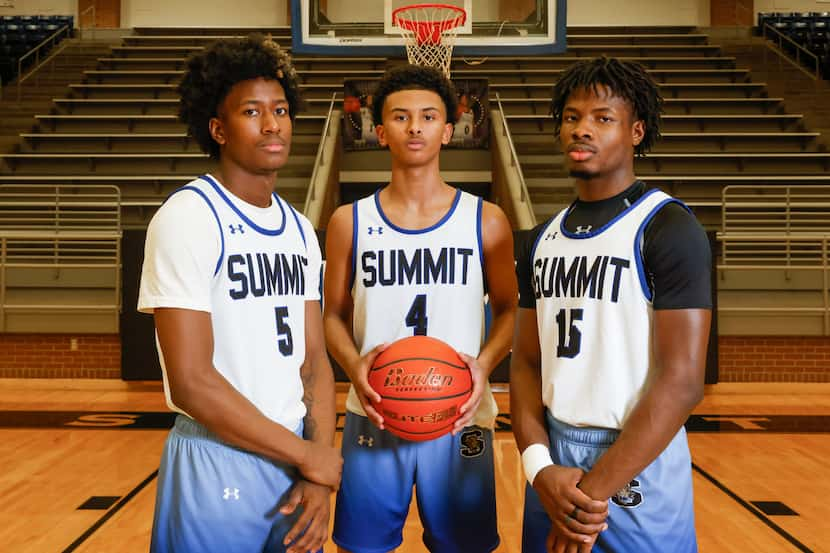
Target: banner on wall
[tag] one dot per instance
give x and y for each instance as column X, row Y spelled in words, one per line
column 472, row 127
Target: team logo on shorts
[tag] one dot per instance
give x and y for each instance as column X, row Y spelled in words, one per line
column 472, row 443
column 630, row 496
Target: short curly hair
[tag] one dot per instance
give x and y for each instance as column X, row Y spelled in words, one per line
column 414, row 77
column 211, row 73
column 625, row 79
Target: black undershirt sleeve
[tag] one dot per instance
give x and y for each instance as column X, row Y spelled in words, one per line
column 678, row 260
column 524, row 266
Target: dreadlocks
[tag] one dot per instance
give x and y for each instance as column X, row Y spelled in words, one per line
column 625, row 79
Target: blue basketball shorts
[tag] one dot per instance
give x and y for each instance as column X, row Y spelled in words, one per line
column 653, row 514
column 454, row 489
column 215, row 498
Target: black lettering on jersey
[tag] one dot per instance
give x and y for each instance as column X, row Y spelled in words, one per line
column 237, row 276
column 436, row 268
column 421, row 266
column 566, row 278
column 619, row 265
column 578, row 277
column 587, row 280
column 263, row 274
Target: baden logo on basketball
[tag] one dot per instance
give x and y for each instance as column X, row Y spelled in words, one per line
column 397, row 377
column 423, row 383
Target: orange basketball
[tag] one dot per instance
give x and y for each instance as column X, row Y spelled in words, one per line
column 351, row 104
column 423, row 383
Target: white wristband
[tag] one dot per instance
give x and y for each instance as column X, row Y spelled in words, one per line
column 534, row 458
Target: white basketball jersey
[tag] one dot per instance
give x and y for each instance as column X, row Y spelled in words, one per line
column 258, row 305
column 594, row 313
column 428, row 282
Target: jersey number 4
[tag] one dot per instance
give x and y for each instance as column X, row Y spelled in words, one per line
column 284, row 341
column 570, row 338
column 417, row 316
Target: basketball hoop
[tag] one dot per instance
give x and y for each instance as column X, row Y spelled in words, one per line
column 429, row 32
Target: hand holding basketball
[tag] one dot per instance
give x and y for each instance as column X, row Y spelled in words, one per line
column 423, row 382
column 468, row 410
column 365, row 393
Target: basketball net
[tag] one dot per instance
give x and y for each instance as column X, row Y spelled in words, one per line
column 429, row 32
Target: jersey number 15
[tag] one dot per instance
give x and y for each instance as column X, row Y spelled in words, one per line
column 570, row 338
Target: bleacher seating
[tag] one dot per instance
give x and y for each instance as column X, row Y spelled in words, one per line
column 117, row 124
column 19, row 34
column 810, row 30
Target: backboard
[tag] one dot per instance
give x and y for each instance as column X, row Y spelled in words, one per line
column 365, row 28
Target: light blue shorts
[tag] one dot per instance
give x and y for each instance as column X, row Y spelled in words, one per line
column 214, row 498
column 454, row 488
column 653, row 514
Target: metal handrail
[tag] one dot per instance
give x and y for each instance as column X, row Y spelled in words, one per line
column 514, row 157
column 823, row 266
column 799, row 48
column 36, row 52
column 319, row 159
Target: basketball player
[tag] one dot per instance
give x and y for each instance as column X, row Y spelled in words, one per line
column 610, row 342
column 465, row 123
column 367, row 127
column 416, row 258
column 231, row 275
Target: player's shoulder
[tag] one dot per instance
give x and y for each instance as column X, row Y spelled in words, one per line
column 185, row 207
column 341, row 216
column 493, row 214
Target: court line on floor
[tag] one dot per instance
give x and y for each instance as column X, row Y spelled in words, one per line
column 749, row 507
column 117, row 507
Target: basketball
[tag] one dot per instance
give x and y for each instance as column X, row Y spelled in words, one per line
column 423, row 383
column 351, row 104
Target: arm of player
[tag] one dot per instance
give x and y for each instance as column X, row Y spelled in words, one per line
column 337, row 312
column 311, row 527
column 556, row 485
column 679, row 342
column 497, row 245
column 186, row 339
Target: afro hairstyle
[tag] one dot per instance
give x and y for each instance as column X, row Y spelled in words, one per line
column 211, row 73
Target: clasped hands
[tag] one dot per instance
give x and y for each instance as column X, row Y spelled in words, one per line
column 577, row 518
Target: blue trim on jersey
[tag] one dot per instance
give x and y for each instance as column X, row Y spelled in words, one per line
column 296, row 219
column 479, row 208
column 218, row 222
column 259, row 229
column 538, row 239
column 638, row 251
column 354, row 245
column 443, row 220
column 607, row 225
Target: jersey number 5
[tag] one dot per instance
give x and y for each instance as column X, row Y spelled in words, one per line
column 284, row 342
column 570, row 338
column 417, row 316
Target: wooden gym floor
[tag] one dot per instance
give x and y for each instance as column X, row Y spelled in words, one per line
column 79, row 460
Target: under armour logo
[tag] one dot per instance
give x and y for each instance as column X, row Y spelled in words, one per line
column 375, row 230
column 231, row 493
column 235, row 228
column 363, row 440
column 550, row 236
column 584, row 229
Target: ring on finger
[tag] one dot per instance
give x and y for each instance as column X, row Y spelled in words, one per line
column 575, row 513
